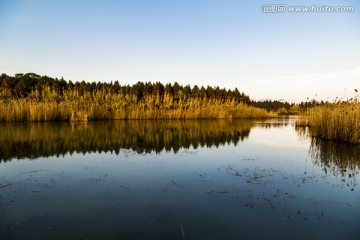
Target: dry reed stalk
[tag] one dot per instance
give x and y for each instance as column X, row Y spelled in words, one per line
column 182, row 231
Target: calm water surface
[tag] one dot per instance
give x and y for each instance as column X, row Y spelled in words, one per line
column 208, row 179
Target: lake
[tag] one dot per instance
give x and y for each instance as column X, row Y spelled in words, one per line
column 191, row 179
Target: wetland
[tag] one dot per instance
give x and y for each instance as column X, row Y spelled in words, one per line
column 176, row 179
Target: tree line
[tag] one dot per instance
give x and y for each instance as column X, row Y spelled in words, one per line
column 31, row 97
column 22, row 85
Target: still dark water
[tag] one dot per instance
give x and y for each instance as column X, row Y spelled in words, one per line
column 207, row 179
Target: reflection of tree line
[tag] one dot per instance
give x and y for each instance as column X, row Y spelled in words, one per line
column 280, row 122
column 32, row 140
column 337, row 158
column 270, row 125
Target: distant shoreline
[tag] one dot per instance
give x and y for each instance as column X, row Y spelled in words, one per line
column 33, row 98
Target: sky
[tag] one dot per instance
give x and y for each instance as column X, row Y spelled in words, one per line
column 290, row 56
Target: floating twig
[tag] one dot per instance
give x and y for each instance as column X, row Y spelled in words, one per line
column 35, row 171
column 2, row 186
column 124, row 187
column 158, row 216
column 173, row 182
column 261, row 176
column 218, row 192
column 236, row 174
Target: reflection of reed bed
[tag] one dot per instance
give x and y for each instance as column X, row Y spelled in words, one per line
column 119, row 106
column 302, row 132
column 339, row 121
column 33, row 140
column 270, row 125
column 340, row 159
column 274, row 122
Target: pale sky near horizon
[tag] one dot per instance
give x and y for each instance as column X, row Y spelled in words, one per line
column 290, row 56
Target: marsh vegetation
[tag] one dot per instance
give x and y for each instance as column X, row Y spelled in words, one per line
column 338, row 121
column 30, row 97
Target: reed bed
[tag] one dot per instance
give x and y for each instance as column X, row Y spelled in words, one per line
column 101, row 105
column 339, row 121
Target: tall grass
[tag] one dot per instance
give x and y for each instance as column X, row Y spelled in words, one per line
column 339, row 121
column 71, row 106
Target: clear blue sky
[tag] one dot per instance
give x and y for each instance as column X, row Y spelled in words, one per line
column 227, row 43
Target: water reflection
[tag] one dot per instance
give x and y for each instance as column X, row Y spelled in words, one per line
column 337, row 158
column 34, row 140
column 24, row 140
column 340, row 159
column 229, row 192
column 280, row 122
